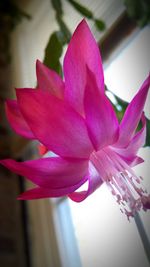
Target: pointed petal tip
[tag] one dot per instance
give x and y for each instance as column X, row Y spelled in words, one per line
column 38, row 61
column 6, row 162
column 83, row 23
column 16, row 119
column 133, row 114
column 82, row 50
column 38, row 64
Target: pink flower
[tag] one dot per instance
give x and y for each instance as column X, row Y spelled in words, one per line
column 75, row 120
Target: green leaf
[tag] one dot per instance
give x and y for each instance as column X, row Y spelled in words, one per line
column 139, row 11
column 57, row 5
column 147, row 143
column 81, row 9
column 54, row 51
column 120, row 105
column 100, row 25
column 64, row 29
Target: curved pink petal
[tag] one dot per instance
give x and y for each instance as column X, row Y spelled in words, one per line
column 132, row 160
column 55, row 124
column 49, row 80
column 135, row 144
column 100, row 117
column 94, row 181
column 39, row 192
column 132, row 115
column 16, row 119
column 50, row 172
column 82, row 50
column 137, row 160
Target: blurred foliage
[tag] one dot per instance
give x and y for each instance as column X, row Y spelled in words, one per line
column 10, row 16
column 57, row 5
column 139, row 11
column 81, row 9
column 84, row 11
column 100, row 24
column 62, row 37
column 147, row 132
column 53, row 51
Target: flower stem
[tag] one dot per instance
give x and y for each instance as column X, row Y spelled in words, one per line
column 143, row 235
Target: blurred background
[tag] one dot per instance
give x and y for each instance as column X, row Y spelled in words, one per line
column 58, row 232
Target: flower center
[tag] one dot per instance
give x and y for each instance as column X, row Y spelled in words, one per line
column 120, row 179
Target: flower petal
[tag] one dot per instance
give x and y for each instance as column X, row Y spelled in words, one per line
column 135, row 144
column 54, row 123
column 16, row 119
column 39, row 192
column 132, row 160
column 132, row 115
column 49, row 80
column 50, row 173
column 100, row 117
column 94, row 181
column 82, row 50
